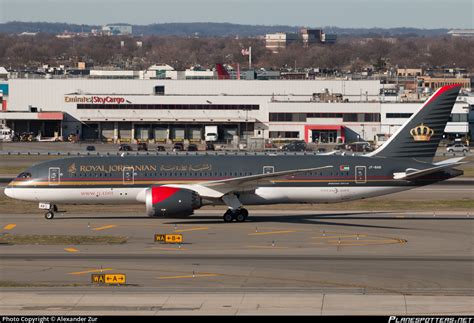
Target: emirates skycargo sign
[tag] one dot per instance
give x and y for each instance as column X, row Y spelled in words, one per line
column 94, row 99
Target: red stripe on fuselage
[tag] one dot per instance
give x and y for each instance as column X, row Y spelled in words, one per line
column 161, row 193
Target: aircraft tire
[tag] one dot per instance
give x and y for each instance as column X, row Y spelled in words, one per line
column 49, row 215
column 228, row 216
column 245, row 212
column 240, row 217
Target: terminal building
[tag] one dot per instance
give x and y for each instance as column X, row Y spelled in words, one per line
column 130, row 110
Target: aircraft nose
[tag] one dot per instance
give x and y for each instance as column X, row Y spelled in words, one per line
column 9, row 192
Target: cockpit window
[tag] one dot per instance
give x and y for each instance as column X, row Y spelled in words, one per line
column 24, row 175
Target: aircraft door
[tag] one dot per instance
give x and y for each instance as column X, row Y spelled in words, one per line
column 360, row 174
column 268, row 169
column 54, row 176
column 128, row 176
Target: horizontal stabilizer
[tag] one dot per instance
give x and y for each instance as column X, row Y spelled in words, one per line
column 412, row 173
column 449, row 161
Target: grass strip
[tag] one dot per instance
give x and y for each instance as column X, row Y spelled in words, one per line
column 16, row 239
column 7, row 284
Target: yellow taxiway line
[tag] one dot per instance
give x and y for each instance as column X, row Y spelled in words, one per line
column 365, row 242
column 71, row 250
column 90, row 271
column 347, row 236
column 271, row 232
column 9, row 226
column 189, row 276
column 192, row 229
column 105, row 227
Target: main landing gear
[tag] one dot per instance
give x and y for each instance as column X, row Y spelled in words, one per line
column 236, row 211
column 239, row 215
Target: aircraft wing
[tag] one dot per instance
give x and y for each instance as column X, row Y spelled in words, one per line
column 412, row 173
column 217, row 189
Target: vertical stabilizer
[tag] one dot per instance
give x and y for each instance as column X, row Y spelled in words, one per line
column 222, row 73
column 419, row 137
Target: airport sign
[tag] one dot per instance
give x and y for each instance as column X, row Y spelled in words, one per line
column 109, row 279
column 169, row 238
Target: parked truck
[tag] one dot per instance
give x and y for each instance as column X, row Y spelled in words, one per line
column 210, row 133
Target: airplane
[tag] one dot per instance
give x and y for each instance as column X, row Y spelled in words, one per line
column 176, row 184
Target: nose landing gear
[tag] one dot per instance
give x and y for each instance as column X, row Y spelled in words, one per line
column 51, row 208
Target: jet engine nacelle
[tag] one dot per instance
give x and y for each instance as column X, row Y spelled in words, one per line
column 171, row 201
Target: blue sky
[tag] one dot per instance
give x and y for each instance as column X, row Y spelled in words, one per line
column 340, row 13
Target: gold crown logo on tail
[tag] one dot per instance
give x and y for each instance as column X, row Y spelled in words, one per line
column 422, row 133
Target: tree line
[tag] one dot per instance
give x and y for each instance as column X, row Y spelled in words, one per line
column 211, row 29
column 348, row 54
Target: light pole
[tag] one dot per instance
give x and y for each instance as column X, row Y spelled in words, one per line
column 246, row 124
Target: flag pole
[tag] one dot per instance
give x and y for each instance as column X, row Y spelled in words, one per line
column 250, row 57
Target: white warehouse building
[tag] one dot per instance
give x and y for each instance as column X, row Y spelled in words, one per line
column 323, row 111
